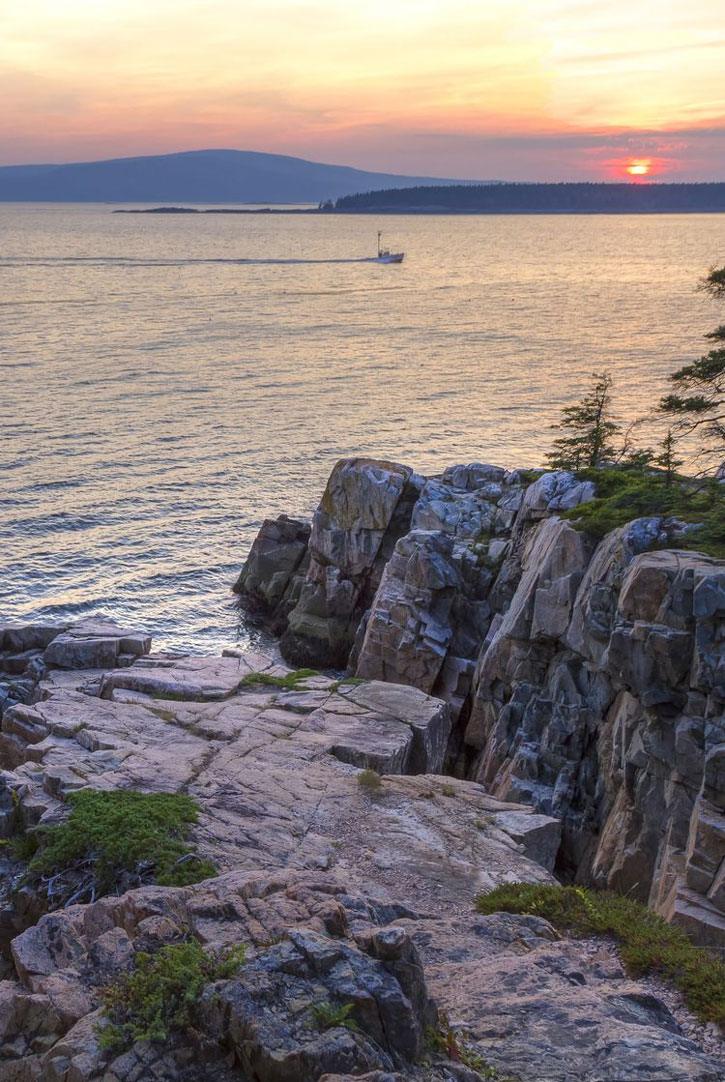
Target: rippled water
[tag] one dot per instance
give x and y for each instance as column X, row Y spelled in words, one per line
column 167, row 382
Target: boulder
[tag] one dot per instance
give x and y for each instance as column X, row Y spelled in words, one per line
column 274, row 563
column 366, row 507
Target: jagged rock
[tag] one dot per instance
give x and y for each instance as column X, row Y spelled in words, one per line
column 266, row 1014
column 596, row 603
column 600, row 704
column 273, row 571
column 237, row 748
column 591, row 679
column 553, row 493
column 449, row 511
column 30, row 655
column 410, row 626
column 519, row 996
column 343, row 895
column 366, row 507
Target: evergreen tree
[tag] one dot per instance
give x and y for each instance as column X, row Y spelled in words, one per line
column 698, row 402
column 590, row 429
column 667, row 459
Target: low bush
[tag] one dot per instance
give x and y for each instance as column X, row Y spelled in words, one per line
column 109, row 836
column 625, row 493
column 159, row 996
column 648, row 944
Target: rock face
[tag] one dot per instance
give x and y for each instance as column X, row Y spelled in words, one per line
column 275, row 568
column 587, row 679
column 366, row 507
column 345, row 898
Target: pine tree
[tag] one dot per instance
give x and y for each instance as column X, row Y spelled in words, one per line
column 590, row 429
column 698, row 403
column 667, row 459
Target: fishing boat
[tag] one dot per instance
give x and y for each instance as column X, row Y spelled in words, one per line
column 385, row 255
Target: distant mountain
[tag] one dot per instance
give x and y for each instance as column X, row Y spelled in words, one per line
column 196, row 176
column 522, row 198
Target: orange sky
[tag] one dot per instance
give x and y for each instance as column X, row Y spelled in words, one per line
column 541, row 89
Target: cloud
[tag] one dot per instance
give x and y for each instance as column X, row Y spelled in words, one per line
column 516, row 88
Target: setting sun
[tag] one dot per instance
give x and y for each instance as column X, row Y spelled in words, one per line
column 639, row 168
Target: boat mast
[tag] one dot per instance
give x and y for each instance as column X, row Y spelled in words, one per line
column 379, row 236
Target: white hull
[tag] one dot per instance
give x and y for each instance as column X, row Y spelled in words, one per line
column 390, row 257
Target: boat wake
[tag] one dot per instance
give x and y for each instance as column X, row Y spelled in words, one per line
column 128, row 261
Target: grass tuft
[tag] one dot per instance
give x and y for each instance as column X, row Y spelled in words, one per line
column 369, row 779
column 159, row 996
column 648, row 944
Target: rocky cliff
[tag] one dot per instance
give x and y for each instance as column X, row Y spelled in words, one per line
column 585, row 678
column 348, row 899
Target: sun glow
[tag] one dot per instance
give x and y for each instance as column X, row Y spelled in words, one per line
column 639, row 168
column 509, row 89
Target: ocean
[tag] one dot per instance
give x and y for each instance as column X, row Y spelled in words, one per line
column 170, row 381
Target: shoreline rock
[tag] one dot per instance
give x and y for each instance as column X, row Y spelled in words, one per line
column 342, row 896
column 587, row 679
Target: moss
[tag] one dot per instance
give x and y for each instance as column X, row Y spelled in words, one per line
column 527, row 477
column 369, row 779
column 647, row 943
column 289, row 682
column 448, row 790
column 120, row 832
column 326, row 1015
column 349, row 681
column 158, row 997
column 624, row 493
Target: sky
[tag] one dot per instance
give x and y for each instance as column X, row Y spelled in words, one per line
column 476, row 89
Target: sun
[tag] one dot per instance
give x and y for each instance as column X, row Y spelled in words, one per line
column 639, row 168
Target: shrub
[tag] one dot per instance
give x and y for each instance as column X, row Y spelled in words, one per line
column 623, row 494
column 648, row 944
column 158, row 997
column 122, row 832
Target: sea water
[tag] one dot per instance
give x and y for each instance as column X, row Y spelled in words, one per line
column 170, row 381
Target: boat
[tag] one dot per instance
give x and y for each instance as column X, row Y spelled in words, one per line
column 386, row 256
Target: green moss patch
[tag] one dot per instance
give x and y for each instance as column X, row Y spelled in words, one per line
column 648, row 944
column 117, row 836
column 623, row 494
column 291, row 681
column 158, row 998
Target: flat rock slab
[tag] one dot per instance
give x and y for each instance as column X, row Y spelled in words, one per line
column 275, row 772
